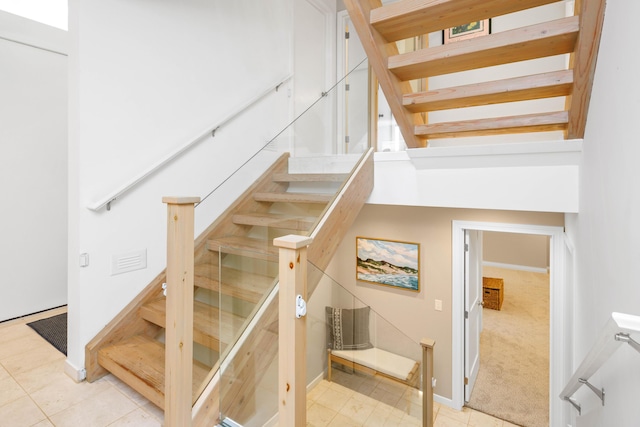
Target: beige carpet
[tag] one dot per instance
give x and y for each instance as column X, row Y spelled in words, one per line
column 513, row 380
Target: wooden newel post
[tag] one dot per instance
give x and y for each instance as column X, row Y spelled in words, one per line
column 292, row 394
column 427, row 381
column 179, row 323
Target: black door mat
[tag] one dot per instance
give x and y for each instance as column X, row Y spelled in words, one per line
column 54, row 330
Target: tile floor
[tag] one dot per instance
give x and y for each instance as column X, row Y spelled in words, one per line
column 35, row 391
column 361, row 400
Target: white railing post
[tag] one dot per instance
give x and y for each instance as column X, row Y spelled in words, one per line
column 427, row 381
column 292, row 387
column 179, row 313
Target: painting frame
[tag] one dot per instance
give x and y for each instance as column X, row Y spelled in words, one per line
column 381, row 263
column 465, row 32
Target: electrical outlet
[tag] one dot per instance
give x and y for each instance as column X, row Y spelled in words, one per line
column 438, row 305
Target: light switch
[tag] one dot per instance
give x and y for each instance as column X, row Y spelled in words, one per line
column 84, row 260
column 438, row 305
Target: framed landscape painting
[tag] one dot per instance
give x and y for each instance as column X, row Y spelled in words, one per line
column 467, row 31
column 388, row 262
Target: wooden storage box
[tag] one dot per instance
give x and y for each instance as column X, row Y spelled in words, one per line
column 492, row 292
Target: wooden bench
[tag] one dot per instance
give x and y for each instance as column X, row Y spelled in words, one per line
column 375, row 361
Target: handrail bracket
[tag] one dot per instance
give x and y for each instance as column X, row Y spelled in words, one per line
column 599, row 393
column 574, row 404
column 626, row 338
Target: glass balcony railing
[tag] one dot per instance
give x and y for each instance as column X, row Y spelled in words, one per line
column 358, row 364
column 378, row 382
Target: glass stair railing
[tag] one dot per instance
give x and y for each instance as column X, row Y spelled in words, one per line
column 286, row 187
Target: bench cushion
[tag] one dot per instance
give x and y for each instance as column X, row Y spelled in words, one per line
column 383, row 361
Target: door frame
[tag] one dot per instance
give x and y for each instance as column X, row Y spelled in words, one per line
column 472, row 310
column 557, row 318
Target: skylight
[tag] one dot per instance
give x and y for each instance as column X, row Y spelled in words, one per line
column 49, row 12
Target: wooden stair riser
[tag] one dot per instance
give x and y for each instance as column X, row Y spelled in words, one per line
column 293, row 197
column 311, row 177
column 243, row 285
column 275, row 221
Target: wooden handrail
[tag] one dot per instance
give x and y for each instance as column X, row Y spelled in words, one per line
column 112, row 196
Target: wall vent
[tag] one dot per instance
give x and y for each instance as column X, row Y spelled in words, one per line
column 124, row 263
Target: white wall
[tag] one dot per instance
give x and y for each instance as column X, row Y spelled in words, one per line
column 540, row 176
column 145, row 78
column 33, row 166
column 605, row 233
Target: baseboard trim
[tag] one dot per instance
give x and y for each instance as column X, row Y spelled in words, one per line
column 76, row 374
column 444, row 401
column 515, row 267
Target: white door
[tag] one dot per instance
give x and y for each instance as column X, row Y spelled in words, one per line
column 353, row 92
column 472, row 308
column 314, row 26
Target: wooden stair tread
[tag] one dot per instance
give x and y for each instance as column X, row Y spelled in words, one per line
column 544, row 85
column 246, row 246
column 536, row 41
column 310, row 177
column 410, row 18
column 274, row 220
column 236, row 283
column 139, row 362
column 542, row 122
column 293, row 197
column 206, row 322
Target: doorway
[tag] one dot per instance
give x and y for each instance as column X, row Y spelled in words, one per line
column 556, row 303
column 512, row 382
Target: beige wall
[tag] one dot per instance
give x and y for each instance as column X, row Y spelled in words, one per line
column 525, row 250
column 412, row 312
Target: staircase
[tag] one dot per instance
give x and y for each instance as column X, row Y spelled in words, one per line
column 379, row 27
column 234, row 271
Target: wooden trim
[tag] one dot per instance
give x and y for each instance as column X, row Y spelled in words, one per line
column 584, row 64
column 178, row 382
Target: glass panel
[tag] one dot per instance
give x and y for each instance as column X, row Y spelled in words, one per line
column 375, row 368
column 293, row 180
column 249, row 320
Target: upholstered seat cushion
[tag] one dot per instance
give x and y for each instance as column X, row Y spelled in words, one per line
column 379, row 360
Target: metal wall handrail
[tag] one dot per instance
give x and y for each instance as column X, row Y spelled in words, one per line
column 616, row 331
column 106, row 200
